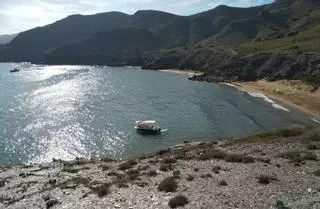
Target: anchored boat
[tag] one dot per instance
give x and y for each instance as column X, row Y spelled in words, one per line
column 147, row 127
column 14, row 70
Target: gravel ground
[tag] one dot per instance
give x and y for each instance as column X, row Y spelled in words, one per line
column 78, row 184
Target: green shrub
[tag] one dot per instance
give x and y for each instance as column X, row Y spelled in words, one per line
column 190, row 178
column 168, row 184
column 206, row 176
column 178, row 201
column 281, row 205
column 223, row 183
column 176, row 174
column 127, row 165
column 102, row 190
column 169, row 160
column 165, row 167
column 317, row 173
column 152, row 173
column 292, row 131
column 298, row 156
column 216, row 169
column 264, row 179
column 237, row 158
column 209, row 154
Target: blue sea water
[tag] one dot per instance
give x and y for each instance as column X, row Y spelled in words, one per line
column 65, row 112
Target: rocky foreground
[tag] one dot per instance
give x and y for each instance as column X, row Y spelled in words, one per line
column 277, row 170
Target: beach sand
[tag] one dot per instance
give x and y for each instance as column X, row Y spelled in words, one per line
column 294, row 93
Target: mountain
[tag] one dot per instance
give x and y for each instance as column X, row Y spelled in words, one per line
column 5, row 39
column 114, row 47
column 31, row 45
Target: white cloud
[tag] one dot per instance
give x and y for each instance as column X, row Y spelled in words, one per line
column 19, row 15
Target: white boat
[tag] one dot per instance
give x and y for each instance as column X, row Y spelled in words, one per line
column 147, row 127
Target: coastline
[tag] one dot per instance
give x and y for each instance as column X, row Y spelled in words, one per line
column 251, row 172
column 295, row 94
column 188, row 73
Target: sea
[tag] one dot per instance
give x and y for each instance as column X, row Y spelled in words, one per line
column 65, row 112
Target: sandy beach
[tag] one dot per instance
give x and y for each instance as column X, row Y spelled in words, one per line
column 188, row 73
column 296, row 94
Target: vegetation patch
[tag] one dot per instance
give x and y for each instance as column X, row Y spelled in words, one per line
column 2, row 182
column 168, row 184
column 133, row 174
column 216, row 169
column 127, row 165
column 211, row 153
column 80, row 180
column 298, row 156
column 317, row 173
column 178, row 201
column 69, row 169
column 102, row 190
column 265, row 179
column 206, row 176
column 176, row 174
column 152, row 173
column 312, row 147
column 165, row 167
column 270, row 136
column 190, row 178
column 292, row 131
column 238, row 158
column 169, row 160
column 223, row 183
column 281, row 205
column 51, row 203
column 255, row 139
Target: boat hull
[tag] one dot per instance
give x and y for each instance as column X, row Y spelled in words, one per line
column 149, row 131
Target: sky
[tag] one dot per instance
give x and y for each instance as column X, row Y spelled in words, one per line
column 20, row 15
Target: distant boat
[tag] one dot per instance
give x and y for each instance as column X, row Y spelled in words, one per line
column 147, row 127
column 14, row 70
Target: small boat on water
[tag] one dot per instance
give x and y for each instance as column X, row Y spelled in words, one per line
column 147, row 127
column 14, row 70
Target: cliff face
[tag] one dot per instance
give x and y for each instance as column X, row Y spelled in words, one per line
column 270, row 65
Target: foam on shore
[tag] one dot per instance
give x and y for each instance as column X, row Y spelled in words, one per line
column 315, row 120
column 259, row 95
column 267, row 99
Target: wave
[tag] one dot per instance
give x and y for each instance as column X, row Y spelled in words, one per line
column 229, row 84
column 315, row 120
column 267, row 99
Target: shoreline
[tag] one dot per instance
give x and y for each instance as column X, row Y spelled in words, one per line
column 233, row 171
column 188, row 73
column 294, row 94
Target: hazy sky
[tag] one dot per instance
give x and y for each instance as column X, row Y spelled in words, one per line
column 20, row 15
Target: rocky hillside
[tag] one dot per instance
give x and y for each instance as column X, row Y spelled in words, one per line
column 115, row 47
column 277, row 170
